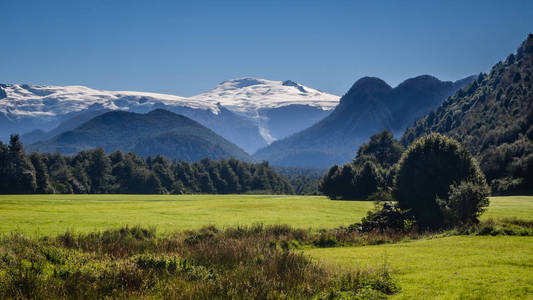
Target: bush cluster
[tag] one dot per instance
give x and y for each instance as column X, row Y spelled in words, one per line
column 387, row 216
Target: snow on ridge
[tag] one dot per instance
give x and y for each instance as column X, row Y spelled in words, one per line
column 242, row 95
column 25, row 100
column 251, row 94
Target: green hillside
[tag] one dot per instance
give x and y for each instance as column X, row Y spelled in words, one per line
column 493, row 118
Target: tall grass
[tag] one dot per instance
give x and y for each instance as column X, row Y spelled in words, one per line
column 254, row 262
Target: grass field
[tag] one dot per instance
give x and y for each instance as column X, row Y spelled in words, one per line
column 53, row 214
column 520, row 207
column 483, row 267
column 457, row 267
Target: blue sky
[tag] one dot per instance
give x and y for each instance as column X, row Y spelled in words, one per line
column 185, row 48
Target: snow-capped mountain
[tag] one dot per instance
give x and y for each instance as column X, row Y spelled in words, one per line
column 249, row 112
column 279, row 108
column 248, row 95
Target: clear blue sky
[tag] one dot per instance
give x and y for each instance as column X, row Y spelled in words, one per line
column 188, row 47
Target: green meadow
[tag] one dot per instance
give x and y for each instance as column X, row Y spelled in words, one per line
column 454, row 267
column 53, row 214
column 443, row 266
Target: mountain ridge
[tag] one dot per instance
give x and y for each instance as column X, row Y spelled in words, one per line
column 369, row 106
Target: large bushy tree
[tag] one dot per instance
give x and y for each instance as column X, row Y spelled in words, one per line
column 427, row 173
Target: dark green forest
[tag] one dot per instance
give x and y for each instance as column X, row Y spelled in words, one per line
column 95, row 172
column 369, row 175
column 493, row 119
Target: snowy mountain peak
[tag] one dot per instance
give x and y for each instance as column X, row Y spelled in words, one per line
column 247, row 95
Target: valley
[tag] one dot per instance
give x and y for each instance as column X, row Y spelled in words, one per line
column 266, row 150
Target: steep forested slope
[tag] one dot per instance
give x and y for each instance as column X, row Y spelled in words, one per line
column 493, row 118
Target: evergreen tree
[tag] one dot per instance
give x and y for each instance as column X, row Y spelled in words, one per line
column 205, row 183
column 329, row 183
column 99, row 172
column 19, row 173
column 371, row 170
column 233, row 185
column 368, row 181
column 161, row 168
column 41, row 175
column 4, row 169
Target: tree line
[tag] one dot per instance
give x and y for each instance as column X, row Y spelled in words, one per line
column 95, row 172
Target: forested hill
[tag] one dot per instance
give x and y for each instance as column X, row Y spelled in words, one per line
column 158, row 132
column 370, row 106
column 493, row 118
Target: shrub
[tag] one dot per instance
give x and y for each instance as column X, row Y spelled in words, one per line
column 465, row 203
column 427, row 171
column 387, row 216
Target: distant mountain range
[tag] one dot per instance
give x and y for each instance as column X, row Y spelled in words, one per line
column 249, row 112
column 158, row 132
column 371, row 105
column 307, row 127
